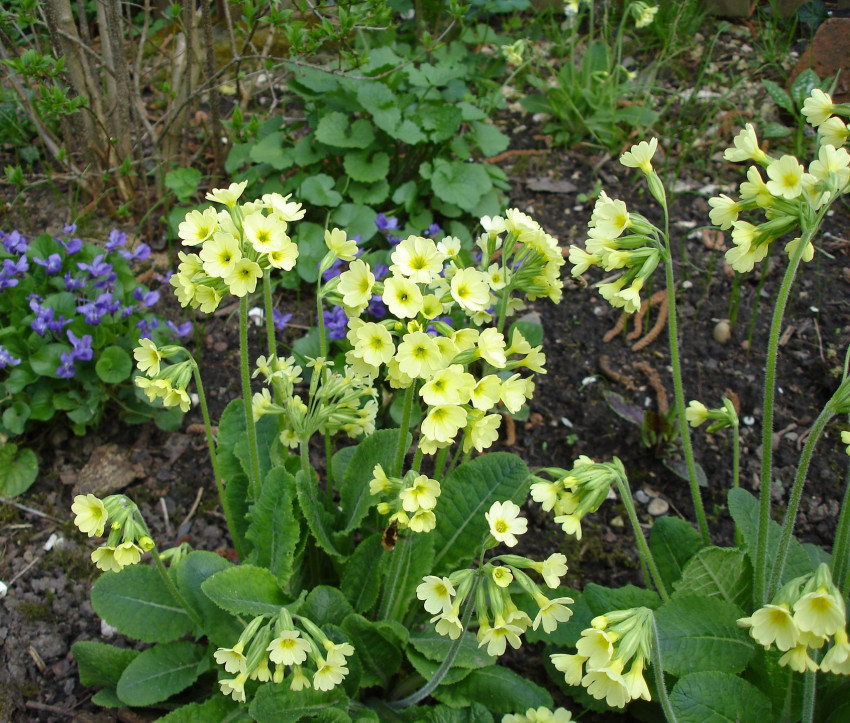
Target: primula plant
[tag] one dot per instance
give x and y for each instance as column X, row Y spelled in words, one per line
column 373, row 581
column 756, row 631
column 71, row 313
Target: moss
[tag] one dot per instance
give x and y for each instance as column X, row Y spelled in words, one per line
column 37, row 611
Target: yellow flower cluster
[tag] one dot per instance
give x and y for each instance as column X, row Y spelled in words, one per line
column 698, row 414
column 804, row 615
column 605, row 650
column 412, row 499
column 237, row 245
column 444, row 597
column 618, row 239
column 540, row 715
column 792, row 196
column 576, row 492
column 270, row 644
column 128, row 534
column 335, row 402
column 165, row 382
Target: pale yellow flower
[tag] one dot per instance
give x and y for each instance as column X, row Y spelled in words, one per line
column 402, row 297
column 640, row 156
column 818, row 107
column 91, row 515
column 418, row 259
column 198, row 226
column 228, row 196
column 288, row 648
column 340, row 245
column 436, row 594
column 469, row 288
column 505, row 522
column 772, row 624
column 220, row 255
column 265, row 233
column 374, row 344
column 746, row 147
column 443, row 422
column 356, row 284
column 786, row 177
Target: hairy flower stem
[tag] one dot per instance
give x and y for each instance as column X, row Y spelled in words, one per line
column 645, row 553
column 323, row 352
column 658, row 667
column 256, row 482
column 440, row 463
column 219, row 480
column 807, row 707
column 779, row 560
column 401, row 449
column 736, row 469
column 684, row 428
column 267, row 303
column 760, row 582
column 448, row 661
column 172, row 588
column 840, row 561
column 401, row 558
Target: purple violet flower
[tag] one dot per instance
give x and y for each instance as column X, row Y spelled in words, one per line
column 280, row 320
column 70, row 228
column 52, row 264
column 59, row 324
column 43, row 316
column 336, row 323
column 66, row 369
column 380, row 271
column 6, row 358
column 72, row 246
column 432, row 230
column 182, row 330
column 140, row 253
column 145, row 299
column 116, row 240
column 146, row 327
column 72, row 283
column 376, row 307
column 385, row 223
column 82, row 347
column 97, row 268
column 15, row 243
column 16, row 268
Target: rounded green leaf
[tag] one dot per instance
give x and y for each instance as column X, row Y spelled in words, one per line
column 718, row 697
column 18, row 469
column 460, row 183
column 319, row 190
column 159, row 672
column 333, row 130
column 114, row 365
column 46, row 360
column 16, row 416
column 366, row 167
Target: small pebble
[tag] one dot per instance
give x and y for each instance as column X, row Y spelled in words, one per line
column 106, row 630
column 641, row 497
column 617, row 522
column 658, row 507
column 587, row 381
column 3, row 589
column 722, row 332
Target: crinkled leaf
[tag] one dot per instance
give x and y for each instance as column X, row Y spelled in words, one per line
column 717, row 572
column 138, row 603
column 435, row 648
column 803, row 86
column 245, row 590
column 379, row 653
column 221, row 628
column 466, row 495
column 218, row 709
column 500, row 689
column 440, row 120
column 404, row 567
column 99, row 664
column 426, row 668
column 326, row 605
column 159, row 672
column 274, row 528
column 718, row 697
column 699, row 633
column 279, row 704
column 361, row 578
column 673, row 542
column 604, row 599
column 679, row 468
column 319, row 520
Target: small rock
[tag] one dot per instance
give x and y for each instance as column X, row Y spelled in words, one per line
column 4, row 588
column 109, row 469
column 658, row 507
column 641, row 497
column 722, row 331
column 220, row 346
column 617, row 522
column 106, row 630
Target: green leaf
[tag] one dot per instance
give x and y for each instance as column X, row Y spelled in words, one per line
column 803, row 86
column 108, row 698
column 99, row 664
column 498, row 688
column 16, row 416
column 717, row 572
column 459, row 183
column 326, row 605
column 356, row 219
column 775, row 130
column 381, row 102
column 378, row 652
column 435, row 648
column 279, row 704
column 137, row 602
column 699, row 633
column 245, row 590
column 220, row 627
column 361, row 578
column 406, row 195
column 408, row 132
column 341, row 460
column 159, row 672
column 673, row 542
column 355, row 498
column 440, row 120
column 184, row 182
column 426, row 668
column 780, row 97
column 272, row 151
column 319, row 520
column 311, row 246
column 307, row 152
column 18, row 469
column 744, row 509
column 489, row 138
column 319, row 191
column 403, row 573
column 333, row 130
column 466, row 495
column 274, row 528
column 604, row 599
column 531, row 331
column 267, row 434
column 218, row 709
column 369, row 193
column 718, row 697
column 366, row 166
column 114, row 365
column 46, row 360
column 236, row 493
column 475, row 713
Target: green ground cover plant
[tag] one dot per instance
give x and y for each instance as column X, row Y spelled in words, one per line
column 71, row 313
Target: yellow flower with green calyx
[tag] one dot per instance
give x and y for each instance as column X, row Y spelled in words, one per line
column 91, row 515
